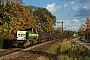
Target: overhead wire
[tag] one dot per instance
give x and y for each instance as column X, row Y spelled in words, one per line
column 31, row 1
column 38, row 3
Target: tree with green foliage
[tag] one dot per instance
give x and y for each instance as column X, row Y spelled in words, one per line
column 81, row 30
column 45, row 19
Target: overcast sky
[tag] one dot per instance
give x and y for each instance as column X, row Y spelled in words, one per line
column 72, row 12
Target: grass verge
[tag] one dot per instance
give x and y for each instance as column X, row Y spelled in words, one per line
column 69, row 50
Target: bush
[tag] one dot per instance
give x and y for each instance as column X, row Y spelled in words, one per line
column 2, row 41
column 72, row 51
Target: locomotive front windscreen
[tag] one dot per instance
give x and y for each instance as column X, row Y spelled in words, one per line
column 21, row 35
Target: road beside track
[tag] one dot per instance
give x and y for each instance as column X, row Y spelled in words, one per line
column 77, row 40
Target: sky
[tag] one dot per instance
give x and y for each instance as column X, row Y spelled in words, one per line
column 72, row 12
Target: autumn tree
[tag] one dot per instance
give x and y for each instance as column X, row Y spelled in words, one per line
column 87, row 31
column 81, row 30
column 59, row 30
column 15, row 17
column 3, row 2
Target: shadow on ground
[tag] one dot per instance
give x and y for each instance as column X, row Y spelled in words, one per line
column 7, row 44
column 46, row 54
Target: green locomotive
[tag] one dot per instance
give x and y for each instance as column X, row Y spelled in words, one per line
column 24, row 38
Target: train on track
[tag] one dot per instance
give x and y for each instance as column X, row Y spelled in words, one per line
column 26, row 38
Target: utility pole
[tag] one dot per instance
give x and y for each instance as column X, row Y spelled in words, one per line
column 62, row 28
column 62, row 25
column 0, row 2
column 50, row 27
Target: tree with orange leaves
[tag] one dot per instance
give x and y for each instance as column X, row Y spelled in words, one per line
column 15, row 17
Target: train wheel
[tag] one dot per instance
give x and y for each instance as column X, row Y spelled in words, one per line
column 25, row 44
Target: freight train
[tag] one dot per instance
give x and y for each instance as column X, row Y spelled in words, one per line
column 26, row 38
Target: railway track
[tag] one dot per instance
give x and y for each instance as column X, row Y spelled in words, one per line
column 9, row 51
column 31, row 54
